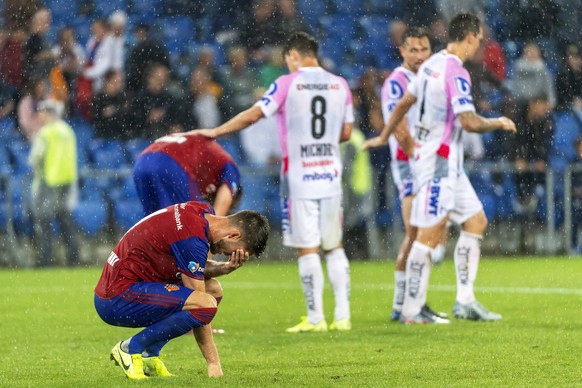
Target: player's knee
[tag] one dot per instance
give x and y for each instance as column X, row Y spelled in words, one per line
column 214, row 288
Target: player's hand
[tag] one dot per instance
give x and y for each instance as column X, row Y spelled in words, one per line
column 215, row 370
column 507, row 124
column 374, row 142
column 236, row 260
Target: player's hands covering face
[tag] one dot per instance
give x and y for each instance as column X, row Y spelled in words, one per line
column 237, row 259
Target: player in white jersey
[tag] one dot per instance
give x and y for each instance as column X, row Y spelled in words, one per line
column 445, row 107
column 314, row 114
column 414, row 49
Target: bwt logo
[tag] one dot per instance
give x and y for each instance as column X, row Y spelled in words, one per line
column 326, row 176
column 433, row 202
column 465, row 101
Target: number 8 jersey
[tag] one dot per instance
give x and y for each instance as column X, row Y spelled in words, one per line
column 312, row 105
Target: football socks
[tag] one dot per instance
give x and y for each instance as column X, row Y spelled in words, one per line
column 311, row 274
column 338, row 271
column 417, row 275
column 467, row 253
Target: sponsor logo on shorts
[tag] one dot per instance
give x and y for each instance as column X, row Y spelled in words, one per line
column 316, row 176
column 433, row 200
column 171, row 287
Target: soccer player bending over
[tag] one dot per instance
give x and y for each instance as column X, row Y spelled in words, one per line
column 442, row 90
column 158, row 277
column 314, row 112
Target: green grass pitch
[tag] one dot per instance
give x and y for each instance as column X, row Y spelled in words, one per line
column 50, row 335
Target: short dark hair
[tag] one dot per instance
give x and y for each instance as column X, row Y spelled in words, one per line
column 254, row 230
column 463, row 24
column 302, row 42
column 414, row 32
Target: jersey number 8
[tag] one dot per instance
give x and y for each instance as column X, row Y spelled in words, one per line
column 318, row 106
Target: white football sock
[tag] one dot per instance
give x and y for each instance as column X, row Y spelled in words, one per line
column 417, row 274
column 399, row 289
column 311, row 274
column 467, row 254
column 438, row 254
column 338, row 271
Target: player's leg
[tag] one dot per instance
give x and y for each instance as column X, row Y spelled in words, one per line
column 429, row 214
column 469, row 213
column 301, row 231
column 401, row 259
column 438, row 253
column 44, row 202
column 69, row 232
column 338, row 266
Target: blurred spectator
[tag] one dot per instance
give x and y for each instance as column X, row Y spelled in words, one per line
column 473, row 146
column 357, row 185
column 290, row 22
column 28, row 121
column 239, row 83
column 493, row 56
column 274, row 68
column 419, row 12
column 262, row 28
column 145, row 52
column 577, row 199
column 12, row 59
column 202, row 104
column 206, row 58
column 110, row 108
column 70, row 55
column 533, row 143
column 487, row 90
column 18, row 13
column 569, row 81
column 260, row 140
column 117, row 22
column 395, row 32
column 38, row 58
column 53, row 157
column 7, row 101
column 532, row 77
column 153, row 105
column 449, row 8
column 439, row 34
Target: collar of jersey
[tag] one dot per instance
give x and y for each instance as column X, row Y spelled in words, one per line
column 445, row 52
column 310, row 68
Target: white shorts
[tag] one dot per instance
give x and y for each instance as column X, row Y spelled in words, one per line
column 310, row 223
column 440, row 197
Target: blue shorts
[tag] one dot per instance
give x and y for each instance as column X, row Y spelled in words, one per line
column 142, row 304
column 160, row 182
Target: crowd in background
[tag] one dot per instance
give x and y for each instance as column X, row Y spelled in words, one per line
column 125, row 80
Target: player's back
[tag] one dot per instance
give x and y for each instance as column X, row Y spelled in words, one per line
column 316, row 105
column 442, row 88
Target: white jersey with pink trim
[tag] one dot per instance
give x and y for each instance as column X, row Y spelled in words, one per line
column 312, row 105
column 392, row 92
column 443, row 89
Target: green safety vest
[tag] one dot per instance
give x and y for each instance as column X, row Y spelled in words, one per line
column 361, row 179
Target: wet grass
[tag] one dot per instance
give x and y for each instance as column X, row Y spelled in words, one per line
column 51, row 336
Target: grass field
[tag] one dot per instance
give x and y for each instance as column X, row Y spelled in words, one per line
column 50, row 335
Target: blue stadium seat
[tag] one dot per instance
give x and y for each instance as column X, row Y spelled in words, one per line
column 311, row 11
column 7, row 130
column 349, row 7
column 107, row 154
column 134, row 147
column 18, row 153
column 84, row 131
column 94, row 188
column 127, row 213
column 374, row 27
column 91, row 216
column 106, row 7
column 567, row 130
column 333, row 51
column 21, row 205
column 387, row 8
column 62, row 11
column 177, row 31
column 147, row 10
column 341, row 28
column 5, row 167
column 82, row 26
column 232, row 145
column 505, row 196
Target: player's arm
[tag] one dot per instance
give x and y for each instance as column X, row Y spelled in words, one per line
column 218, row 268
column 239, row 122
column 396, row 117
column 472, row 122
column 223, row 200
column 203, row 334
column 346, row 132
column 403, row 137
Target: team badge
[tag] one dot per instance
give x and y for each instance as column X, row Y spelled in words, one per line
column 194, row 267
column 395, row 91
column 463, row 86
column 171, row 287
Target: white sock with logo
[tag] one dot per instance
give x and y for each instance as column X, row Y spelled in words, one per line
column 311, row 273
column 399, row 290
column 338, row 271
column 467, row 254
column 417, row 275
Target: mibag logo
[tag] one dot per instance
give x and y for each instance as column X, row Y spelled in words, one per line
column 324, row 176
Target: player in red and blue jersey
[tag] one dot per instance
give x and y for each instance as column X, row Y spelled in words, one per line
column 158, row 277
column 177, row 169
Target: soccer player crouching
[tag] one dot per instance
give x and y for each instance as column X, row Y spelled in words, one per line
column 158, row 277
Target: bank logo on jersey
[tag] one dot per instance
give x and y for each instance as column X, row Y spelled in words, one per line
column 195, row 267
column 463, row 86
column 395, row 91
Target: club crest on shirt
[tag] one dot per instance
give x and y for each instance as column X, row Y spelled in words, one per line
column 463, row 86
column 395, row 91
column 171, row 287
